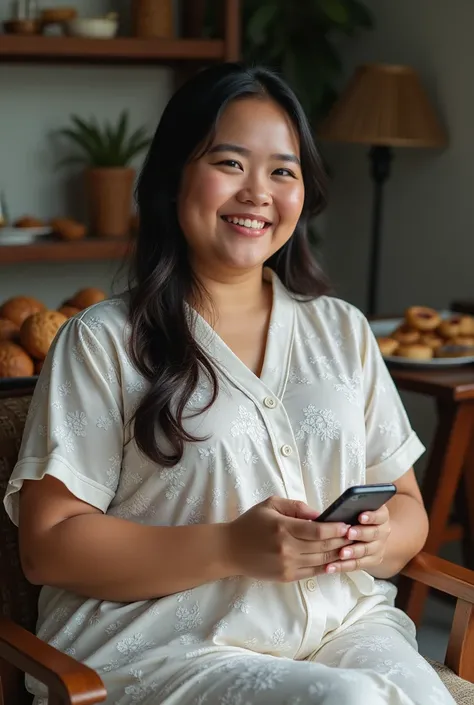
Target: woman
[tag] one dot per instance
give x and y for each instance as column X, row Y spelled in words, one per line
column 183, row 436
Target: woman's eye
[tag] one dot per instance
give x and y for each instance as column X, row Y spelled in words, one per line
column 284, row 172
column 232, row 163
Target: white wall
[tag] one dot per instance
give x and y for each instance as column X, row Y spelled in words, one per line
column 35, row 102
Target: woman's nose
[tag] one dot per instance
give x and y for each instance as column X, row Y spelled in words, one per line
column 255, row 193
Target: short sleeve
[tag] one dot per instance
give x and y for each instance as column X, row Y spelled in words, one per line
column 74, row 429
column 392, row 447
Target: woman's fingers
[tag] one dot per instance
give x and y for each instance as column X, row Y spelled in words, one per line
column 359, row 557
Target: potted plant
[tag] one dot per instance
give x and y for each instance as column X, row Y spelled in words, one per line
column 301, row 40
column 107, row 153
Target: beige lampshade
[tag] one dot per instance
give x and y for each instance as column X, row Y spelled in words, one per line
column 384, row 105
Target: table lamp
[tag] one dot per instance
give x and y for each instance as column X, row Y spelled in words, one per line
column 384, row 106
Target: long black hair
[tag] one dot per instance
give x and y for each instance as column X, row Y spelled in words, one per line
column 162, row 346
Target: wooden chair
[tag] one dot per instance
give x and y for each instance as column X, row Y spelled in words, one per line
column 71, row 682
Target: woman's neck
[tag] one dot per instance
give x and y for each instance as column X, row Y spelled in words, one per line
column 233, row 294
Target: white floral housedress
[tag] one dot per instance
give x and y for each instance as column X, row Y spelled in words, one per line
column 323, row 416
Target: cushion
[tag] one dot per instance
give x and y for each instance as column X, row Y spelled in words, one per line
column 461, row 690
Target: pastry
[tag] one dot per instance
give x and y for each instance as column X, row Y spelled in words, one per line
column 8, row 330
column 28, row 221
column 14, row 362
column 466, row 325
column 86, row 297
column 422, row 318
column 406, row 335
column 387, row 346
column 68, row 311
column 415, row 351
column 455, row 351
column 68, row 229
column 450, row 327
column 463, row 340
column 38, row 332
column 432, row 340
column 18, row 308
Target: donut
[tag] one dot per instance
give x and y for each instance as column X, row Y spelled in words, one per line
column 455, row 351
column 416, row 351
column 466, row 325
column 463, row 340
column 432, row 340
column 405, row 335
column 450, row 327
column 422, row 318
column 387, row 346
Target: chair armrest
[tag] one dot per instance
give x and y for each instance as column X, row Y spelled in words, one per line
column 441, row 575
column 68, row 680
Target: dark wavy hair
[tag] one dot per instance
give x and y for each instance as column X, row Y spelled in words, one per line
column 162, row 346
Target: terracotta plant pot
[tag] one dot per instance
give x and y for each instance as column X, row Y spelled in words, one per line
column 110, row 194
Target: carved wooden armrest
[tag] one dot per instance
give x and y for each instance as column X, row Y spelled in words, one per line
column 458, row 582
column 68, row 681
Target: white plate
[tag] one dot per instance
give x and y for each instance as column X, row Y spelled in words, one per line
column 23, row 236
column 385, row 328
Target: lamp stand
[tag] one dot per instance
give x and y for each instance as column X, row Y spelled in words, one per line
column 380, row 161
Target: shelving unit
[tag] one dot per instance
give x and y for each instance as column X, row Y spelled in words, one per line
column 73, row 251
column 130, row 51
column 123, row 50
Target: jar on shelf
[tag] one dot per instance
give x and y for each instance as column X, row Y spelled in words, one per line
column 153, row 18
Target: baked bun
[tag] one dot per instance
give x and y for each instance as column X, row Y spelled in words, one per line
column 387, row 346
column 8, row 330
column 466, row 325
column 68, row 311
column 87, row 297
column 38, row 332
column 14, row 361
column 432, row 340
column 28, row 221
column 455, row 351
column 415, row 351
column 406, row 335
column 68, row 229
column 18, row 308
column 450, row 327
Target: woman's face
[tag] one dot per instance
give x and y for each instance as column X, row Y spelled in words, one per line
column 240, row 202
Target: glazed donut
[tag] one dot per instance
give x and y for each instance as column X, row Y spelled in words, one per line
column 432, row 340
column 422, row 318
column 405, row 335
column 416, row 351
column 466, row 325
column 450, row 327
column 387, row 346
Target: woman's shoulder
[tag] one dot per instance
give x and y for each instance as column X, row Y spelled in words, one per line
column 332, row 309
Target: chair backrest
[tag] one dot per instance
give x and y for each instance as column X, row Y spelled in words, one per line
column 18, row 598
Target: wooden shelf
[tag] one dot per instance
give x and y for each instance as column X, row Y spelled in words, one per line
column 57, row 251
column 121, row 50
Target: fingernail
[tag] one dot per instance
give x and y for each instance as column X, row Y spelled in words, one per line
column 364, row 518
column 343, row 529
column 353, row 534
column 331, row 569
column 347, row 553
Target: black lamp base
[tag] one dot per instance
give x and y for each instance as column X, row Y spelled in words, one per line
column 381, row 160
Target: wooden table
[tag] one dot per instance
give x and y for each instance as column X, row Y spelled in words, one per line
column 449, row 478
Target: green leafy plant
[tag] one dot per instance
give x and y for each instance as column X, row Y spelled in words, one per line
column 108, row 146
column 301, row 40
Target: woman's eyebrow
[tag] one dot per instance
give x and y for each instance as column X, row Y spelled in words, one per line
column 238, row 149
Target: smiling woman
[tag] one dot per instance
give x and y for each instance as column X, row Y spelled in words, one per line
column 184, row 435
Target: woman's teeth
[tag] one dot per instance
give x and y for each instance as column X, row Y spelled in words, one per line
column 246, row 222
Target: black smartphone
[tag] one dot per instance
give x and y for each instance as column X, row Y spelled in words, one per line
column 356, row 500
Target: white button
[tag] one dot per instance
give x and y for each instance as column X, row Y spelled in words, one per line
column 270, row 402
column 286, row 450
column 311, row 585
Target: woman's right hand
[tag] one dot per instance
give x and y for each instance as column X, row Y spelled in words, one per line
column 279, row 540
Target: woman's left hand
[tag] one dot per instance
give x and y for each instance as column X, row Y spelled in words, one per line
column 370, row 540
